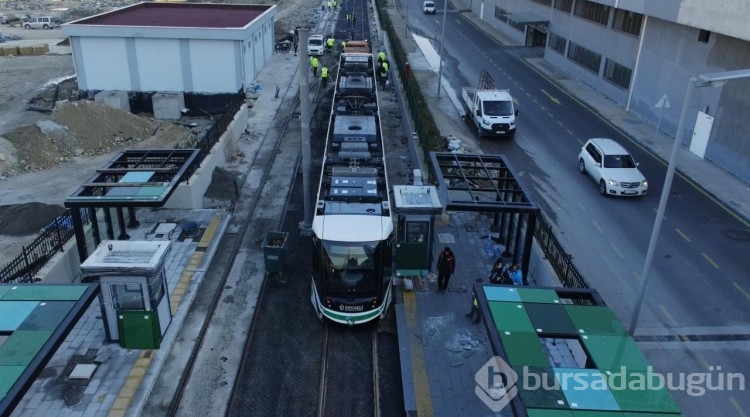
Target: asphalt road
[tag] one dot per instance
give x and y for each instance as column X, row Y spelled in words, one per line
column 700, row 266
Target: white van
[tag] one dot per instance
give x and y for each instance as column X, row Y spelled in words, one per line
column 44, row 22
column 428, row 7
column 315, row 45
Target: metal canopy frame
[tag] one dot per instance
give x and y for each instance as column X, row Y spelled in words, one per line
column 488, row 183
column 133, row 178
column 482, row 183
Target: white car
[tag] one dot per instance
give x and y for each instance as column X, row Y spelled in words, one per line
column 612, row 167
column 428, row 7
column 316, row 45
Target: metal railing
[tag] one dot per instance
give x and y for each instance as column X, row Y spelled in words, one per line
column 36, row 254
column 561, row 261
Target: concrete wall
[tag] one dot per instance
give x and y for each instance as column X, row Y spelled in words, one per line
column 189, row 195
column 63, row 268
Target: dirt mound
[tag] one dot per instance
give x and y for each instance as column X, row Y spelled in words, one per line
column 27, row 219
column 77, row 128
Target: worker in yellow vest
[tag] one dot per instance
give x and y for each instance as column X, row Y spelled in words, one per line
column 314, row 62
column 383, row 74
column 324, row 75
column 343, row 45
column 330, row 5
column 329, row 44
column 381, row 56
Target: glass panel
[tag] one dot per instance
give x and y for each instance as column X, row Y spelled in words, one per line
column 127, row 296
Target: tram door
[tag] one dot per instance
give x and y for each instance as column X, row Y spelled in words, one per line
column 414, row 247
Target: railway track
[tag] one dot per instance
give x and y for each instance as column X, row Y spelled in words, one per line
column 349, row 355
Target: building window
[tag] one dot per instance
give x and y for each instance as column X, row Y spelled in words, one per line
column 629, row 22
column 703, row 36
column 521, row 27
column 557, row 43
column 501, row 14
column 585, row 57
column 547, row 3
column 564, row 5
column 618, row 74
column 595, row 12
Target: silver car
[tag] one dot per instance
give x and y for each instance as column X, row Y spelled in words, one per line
column 612, row 167
column 44, row 22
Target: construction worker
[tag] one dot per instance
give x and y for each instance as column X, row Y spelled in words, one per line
column 334, row 4
column 343, row 45
column 324, row 75
column 381, row 56
column 314, row 62
column 383, row 74
column 329, row 44
column 330, row 5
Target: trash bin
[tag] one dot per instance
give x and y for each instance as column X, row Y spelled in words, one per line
column 274, row 250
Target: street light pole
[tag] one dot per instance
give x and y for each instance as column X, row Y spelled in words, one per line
column 406, row 19
column 442, row 42
column 713, row 80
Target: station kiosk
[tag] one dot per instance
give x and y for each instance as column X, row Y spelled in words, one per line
column 416, row 207
column 134, row 297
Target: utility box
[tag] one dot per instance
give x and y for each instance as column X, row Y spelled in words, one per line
column 139, row 329
column 115, row 99
column 168, row 106
column 274, row 251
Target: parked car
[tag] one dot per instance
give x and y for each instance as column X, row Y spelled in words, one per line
column 428, row 7
column 43, row 22
column 315, row 45
column 612, row 167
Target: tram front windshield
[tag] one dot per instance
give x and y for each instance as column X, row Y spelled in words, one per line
column 352, row 267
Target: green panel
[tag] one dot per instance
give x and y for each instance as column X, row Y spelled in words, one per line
column 13, row 313
column 501, row 293
column 551, row 319
column 637, row 414
column 595, row 320
column 139, row 329
column 640, row 391
column 586, row 389
column 47, row 315
column 539, row 389
column 151, row 191
column 66, row 292
column 412, row 255
column 538, row 295
column 8, row 376
column 586, row 413
column 524, row 349
column 533, row 412
column 27, row 292
column 612, row 352
column 22, row 346
column 4, row 288
column 511, row 317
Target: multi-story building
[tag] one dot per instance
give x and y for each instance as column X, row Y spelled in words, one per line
column 636, row 52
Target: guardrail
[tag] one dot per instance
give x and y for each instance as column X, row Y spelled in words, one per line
column 560, row 260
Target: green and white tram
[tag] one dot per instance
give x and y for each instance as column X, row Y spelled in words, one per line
column 352, row 226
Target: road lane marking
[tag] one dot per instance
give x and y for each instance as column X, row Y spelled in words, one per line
column 637, row 275
column 711, row 261
column 702, row 360
column 551, row 97
column 742, row 290
column 583, row 208
column 737, row 407
column 617, row 251
column 552, row 116
column 666, row 314
column 571, row 134
column 683, row 235
column 597, row 226
column 579, row 141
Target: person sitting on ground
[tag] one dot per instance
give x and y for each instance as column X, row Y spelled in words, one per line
column 516, row 275
column 499, row 273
